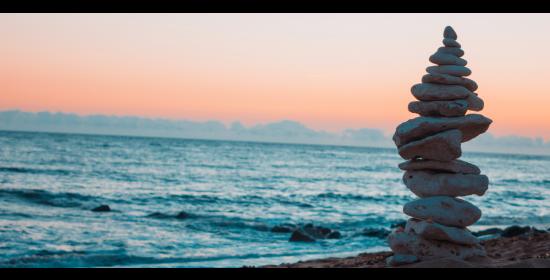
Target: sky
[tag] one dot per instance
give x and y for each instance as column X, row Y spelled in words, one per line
column 328, row 71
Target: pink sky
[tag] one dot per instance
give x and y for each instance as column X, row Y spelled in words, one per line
column 328, row 71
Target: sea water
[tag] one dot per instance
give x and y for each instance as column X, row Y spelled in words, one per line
column 230, row 194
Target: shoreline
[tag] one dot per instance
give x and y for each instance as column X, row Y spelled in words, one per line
column 530, row 249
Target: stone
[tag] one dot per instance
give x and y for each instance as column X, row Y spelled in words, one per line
column 514, row 231
column 418, row 128
column 320, row 232
column 376, row 232
column 450, row 50
column 455, row 166
column 444, row 263
column 434, row 231
column 183, row 215
column 408, row 243
column 334, row 235
column 284, row 228
column 448, row 42
column 434, row 92
column 489, row 231
column 300, row 236
column 444, row 210
column 429, row 183
column 453, row 70
column 401, row 259
column 474, row 102
column 451, row 108
column 444, row 146
column 445, row 79
column 447, row 59
column 450, row 33
column 102, row 208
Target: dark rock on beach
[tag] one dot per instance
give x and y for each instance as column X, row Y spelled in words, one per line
column 518, row 230
column 489, row 231
column 514, row 231
column 102, row 208
column 181, row 215
column 376, row 232
column 301, row 236
column 284, row 228
column 310, row 232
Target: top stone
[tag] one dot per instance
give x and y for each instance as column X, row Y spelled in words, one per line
column 450, row 33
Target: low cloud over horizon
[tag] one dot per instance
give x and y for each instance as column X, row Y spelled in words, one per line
column 284, row 131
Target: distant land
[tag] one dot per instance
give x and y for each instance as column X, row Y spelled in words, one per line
column 285, row 131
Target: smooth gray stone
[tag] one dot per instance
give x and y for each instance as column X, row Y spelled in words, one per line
column 434, row 231
column 453, row 70
column 474, row 102
column 435, row 92
column 400, row 259
column 454, row 51
column 447, row 59
column 448, row 211
column 451, row 108
column 409, row 243
column 450, row 33
column 425, row 183
column 445, row 79
column 444, row 146
column 455, row 166
column 470, row 125
column 448, row 42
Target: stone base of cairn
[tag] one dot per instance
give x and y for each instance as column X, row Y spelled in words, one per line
column 432, row 145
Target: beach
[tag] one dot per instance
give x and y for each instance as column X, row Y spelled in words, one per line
column 527, row 250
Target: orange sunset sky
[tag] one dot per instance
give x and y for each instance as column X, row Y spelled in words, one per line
column 327, row 71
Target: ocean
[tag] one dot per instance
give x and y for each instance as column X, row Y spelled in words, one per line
column 206, row 203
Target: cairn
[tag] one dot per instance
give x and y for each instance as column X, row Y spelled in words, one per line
column 431, row 144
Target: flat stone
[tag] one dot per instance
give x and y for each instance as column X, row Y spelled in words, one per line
column 447, row 59
column 450, row 33
column 435, row 92
column 455, row 166
column 102, row 208
column 400, row 259
column 420, row 127
column 448, row 42
column 453, row 70
column 430, row 183
column 443, row 263
column 451, row 108
column 434, row 231
column 444, row 210
column 450, row 50
column 445, row 79
column 474, row 102
column 409, row 243
column 444, row 146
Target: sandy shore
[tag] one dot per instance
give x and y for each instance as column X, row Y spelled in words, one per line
column 530, row 250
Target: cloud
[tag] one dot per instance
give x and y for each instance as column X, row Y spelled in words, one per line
column 285, row 131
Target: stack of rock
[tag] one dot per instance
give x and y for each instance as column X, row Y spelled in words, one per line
column 432, row 145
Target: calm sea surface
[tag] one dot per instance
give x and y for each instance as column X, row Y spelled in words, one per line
column 232, row 193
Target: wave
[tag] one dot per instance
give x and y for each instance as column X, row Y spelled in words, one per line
column 394, row 199
column 511, row 182
column 26, row 170
column 48, row 198
column 114, row 258
column 179, row 216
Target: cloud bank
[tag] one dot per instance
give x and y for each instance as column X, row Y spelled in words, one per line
column 285, row 131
